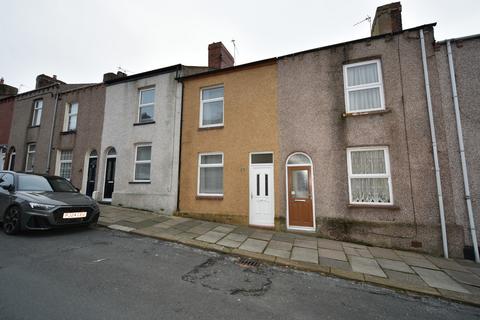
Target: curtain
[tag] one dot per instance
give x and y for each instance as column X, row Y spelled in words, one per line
column 368, row 162
column 144, row 153
column 371, row 190
column 364, row 99
column 142, row 171
column 211, row 180
column 363, row 74
column 212, row 112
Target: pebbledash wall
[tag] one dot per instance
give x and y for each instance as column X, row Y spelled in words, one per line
column 466, row 62
column 313, row 119
column 250, row 125
column 123, row 132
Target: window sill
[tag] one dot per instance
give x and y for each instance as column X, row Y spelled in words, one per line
column 143, row 123
column 31, row 127
column 210, row 128
column 365, row 113
column 68, row 132
column 140, row 182
column 373, row 206
column 209, row 197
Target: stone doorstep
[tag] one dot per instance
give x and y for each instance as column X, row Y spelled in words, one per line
column 349, row 275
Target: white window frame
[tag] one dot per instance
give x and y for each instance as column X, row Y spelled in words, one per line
column 140, row 105
column 60, row 162
column 68, row 116
column 213, row 165
column 29, row 154
column 387, row 174
column 135, row 162
column 378, row 84
column 37, row 112
column 201, row 125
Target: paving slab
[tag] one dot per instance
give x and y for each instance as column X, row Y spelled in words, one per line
column 419, row 262
column 438, row 279
column 351, row 251
column 229, row 243
column 306, row 243
column 354, row 245
column 304, row 254
column 254, row 245
column 408, row 278
column 449, row 264
column 224, row 229
column 337, row 264
column 244, row 230
column 120, row 228
column 187, row 225
column 285, row 237
column 464, row 277
column 367, row 266
column 186, row 235
column 136, row 219
column 277, row 253
column 236, row 237
column 394, row 265
column 384, row 253
column 329, row 244
column 332, row 254
column 262, row 235
column 280, row 245
column 402, row 253
column 211, row 236
column 201, row 229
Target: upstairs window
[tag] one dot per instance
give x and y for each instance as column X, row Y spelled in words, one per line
column 211, row 107
column 30, row 160
column 37, row 112
column 369, row 177
column 143, row 161
column 71, row 117
column 363, row 86
column 210, row 174
column 65, row 168
column 146, row 105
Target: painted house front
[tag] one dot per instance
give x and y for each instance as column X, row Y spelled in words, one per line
column 230, row 153
column 139, row 153
column 7, row 101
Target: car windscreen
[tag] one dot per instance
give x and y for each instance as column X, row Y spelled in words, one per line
column 33, row 183
column 61, row 184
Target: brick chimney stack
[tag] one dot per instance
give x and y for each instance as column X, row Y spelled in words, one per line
column 44, row 81
column 388, row 19
column 218, row 56
column 111, row 75
column 6, row 90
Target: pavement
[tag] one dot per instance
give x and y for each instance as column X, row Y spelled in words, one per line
column 452, row 279
column 99, row 273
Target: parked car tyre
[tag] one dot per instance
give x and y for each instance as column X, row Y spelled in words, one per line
column 11, row 220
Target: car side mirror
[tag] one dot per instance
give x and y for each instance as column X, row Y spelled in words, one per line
column 8, row 187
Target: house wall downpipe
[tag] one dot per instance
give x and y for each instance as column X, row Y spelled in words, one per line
column 50, row 144
column 462, row 152
column 434, row 146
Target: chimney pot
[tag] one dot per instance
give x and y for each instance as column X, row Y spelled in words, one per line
column 388, row 19
column 1, row 80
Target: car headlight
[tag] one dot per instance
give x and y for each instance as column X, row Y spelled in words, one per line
column 41, row 206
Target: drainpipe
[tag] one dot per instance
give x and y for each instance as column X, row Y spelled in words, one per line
column 462, row 152
column 50, row 144
column 434, row 146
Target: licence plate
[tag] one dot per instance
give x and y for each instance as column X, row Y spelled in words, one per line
column 74, row 215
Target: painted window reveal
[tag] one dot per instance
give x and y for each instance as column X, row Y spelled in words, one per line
column 146, row 105
column 143, row 160
column 211, row 107
column 71, row 117
column 369, row 175
column 363, row 86
column 37, row 112
column 30, row 160
column 210, row 174
column 65, row 169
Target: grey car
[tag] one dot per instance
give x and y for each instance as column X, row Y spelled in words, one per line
column 41, row 202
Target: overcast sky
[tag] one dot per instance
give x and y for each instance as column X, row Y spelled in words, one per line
column 82, row 39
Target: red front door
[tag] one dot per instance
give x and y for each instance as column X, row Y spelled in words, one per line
column 300, row 206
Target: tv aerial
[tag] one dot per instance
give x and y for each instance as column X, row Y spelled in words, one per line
column 368, row 18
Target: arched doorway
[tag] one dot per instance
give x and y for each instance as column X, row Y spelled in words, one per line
column 91, row 172
column 300, row 192
column 109, row 174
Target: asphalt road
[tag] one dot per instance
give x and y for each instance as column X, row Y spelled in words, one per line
column 104, row 274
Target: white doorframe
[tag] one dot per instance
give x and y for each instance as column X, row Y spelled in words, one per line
column 289, row 227
column 250, row 193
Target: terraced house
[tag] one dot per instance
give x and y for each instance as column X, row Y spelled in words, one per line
column 7, row 100
column 139, row 153
column 57, row 130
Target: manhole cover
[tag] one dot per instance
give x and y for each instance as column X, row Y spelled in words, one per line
column 245, row 276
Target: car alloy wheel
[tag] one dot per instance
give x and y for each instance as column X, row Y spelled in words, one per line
column 11, row 221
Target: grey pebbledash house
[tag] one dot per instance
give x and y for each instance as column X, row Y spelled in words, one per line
column 139, row 156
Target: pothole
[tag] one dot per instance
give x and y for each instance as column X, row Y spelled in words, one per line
column 247, row 278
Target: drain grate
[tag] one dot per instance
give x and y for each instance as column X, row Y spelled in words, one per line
column 248, row 263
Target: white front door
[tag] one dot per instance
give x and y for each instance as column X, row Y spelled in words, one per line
column 262, row 195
